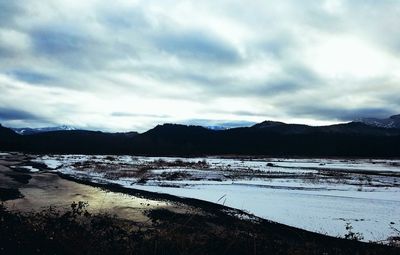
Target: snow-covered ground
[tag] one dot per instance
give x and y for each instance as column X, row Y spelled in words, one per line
column 319, row 195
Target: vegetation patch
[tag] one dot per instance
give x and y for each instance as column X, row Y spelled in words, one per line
column 78, row 232
column 9, row 194
column 19, row 177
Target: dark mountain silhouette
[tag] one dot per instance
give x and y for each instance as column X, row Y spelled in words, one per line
column 175, row 139
column 347, row 128
column 391, row 122
column 78, row 141
column 6, row 133
column 9, row 140
column 354, row 139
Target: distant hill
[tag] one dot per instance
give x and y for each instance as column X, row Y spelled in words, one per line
column 271, row 138
column 78, row 141
column 6, row 133
column 391, row 122
column 354, row 139
column 9, row 140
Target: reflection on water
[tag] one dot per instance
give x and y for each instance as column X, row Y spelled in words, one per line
column 44, row 190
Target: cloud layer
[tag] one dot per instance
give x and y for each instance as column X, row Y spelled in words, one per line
column 128, row 65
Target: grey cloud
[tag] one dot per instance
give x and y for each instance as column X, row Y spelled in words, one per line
column 315, row 15
column 294, row 78
column 392, row 100
column 279, row 45
column 247, row 113
column 374, row 20
column 7, row 114
column 129, row 114
column 30, row 76
column 52, row 41
column 242, row 114
column 9, row 11
column 199, row 46
column 273, row 88
column 340, row 113
column 76, row 48
column 126, row 19
column 297, row 78
column 6, row 52
column 366, row 112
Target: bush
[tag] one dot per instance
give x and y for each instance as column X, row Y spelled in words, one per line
column 351, row 235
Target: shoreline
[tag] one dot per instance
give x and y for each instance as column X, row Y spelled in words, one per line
column 224, row 216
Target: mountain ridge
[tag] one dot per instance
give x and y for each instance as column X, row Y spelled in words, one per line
column 30, row 131
column 391, row 122
column 353, row 139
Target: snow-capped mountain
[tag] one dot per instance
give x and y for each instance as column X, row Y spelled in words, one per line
column 216, row 127
column 29, row 131
column 228, row 125
column 391, row 122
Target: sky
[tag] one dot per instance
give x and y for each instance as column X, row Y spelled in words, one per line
column 129, row 65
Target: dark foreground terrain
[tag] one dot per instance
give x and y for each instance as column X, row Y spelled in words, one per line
column 79, row 232
column 172, row 226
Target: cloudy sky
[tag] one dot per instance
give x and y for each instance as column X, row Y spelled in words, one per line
column 129, row 65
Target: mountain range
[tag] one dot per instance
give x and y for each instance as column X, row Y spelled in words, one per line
column 391, row 122
column 30, row 131
column 353, row 139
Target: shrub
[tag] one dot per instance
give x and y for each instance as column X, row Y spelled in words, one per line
column 351, row 235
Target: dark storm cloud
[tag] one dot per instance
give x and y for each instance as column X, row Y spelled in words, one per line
column 392, row 99
column 342, row 114
column 366, row 112
column 7, row 114
column 66, row 45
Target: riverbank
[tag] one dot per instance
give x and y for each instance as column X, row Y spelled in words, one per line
column 144, row 222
